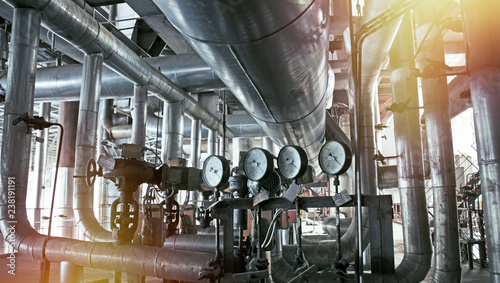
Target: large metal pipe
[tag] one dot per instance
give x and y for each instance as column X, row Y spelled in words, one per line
column 149, row 261
column 86, row 139
column 195, row 143
column 64, row 199
column 139, row 115
column 272, row 55
column 240, row 144
column 482, row 24
column 16, row 139
column 172, row 130
column 40, row 162
column 447, row 265
column 68, row 20
column 188, row 71
column 212, row 142
column 416, row 235
column 4, row 48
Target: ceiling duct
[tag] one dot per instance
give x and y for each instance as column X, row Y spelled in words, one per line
column 272, row 55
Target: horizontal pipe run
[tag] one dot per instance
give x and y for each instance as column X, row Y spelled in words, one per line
column 68, row 20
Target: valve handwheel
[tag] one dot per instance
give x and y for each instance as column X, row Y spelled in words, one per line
column 92, row 172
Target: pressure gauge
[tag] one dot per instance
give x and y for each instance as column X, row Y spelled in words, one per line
column 215, row 171
column 335, row 158
column 292, row 162
column 258, row 164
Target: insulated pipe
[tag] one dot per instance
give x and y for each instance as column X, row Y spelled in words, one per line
column 40, row 162
column 188, row 71
column 68, row 20
column 4, row 51
column 195, row 143
column 482, row 24
column 16, row 139
column 139, row 115
column 374, row 52
column 447, row 264
column 240, row 144
column 172, row 130
column 86, row 139
column 212, row 142
column 64, row 199
column 272, row 55
column 416, row 234
column 151, row 261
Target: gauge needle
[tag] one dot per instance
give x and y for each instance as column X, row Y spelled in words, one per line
column 290, row 161
column 215, row 171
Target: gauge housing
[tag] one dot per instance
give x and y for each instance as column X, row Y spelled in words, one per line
column 258, row 163
column 292, row 162
column 216, row 171
column 335, row 158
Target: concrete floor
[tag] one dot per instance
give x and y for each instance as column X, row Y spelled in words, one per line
column 27, row 269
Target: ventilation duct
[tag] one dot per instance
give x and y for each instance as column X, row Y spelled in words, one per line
column 272, row 55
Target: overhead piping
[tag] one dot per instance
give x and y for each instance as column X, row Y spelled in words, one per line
column 272, row 55
column 68, row 20
column 188, row 71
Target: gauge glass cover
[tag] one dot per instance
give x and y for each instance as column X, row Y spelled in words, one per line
column 292, row 162
column 215, row 171
column 335, row 158
column 258, row 164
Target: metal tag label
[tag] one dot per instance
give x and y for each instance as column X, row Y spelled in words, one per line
column 341, row 198
column 292, row 192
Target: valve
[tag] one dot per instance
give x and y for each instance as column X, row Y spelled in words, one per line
column 92, row 171
column 125, row 218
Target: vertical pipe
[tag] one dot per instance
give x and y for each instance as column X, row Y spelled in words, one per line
column 138, row 137
column 71, row 273
column 68, row 118
column 3, row 48
column 447, row 266
column 195, row 153
column 195, row 142
column 40, row 162
column 268, row 144
column 212, row 142
column 16, row 139
column 139, row 115
column 482, row 24
column 86, row 148
column 417, row 244
column 172, row 130
column 239, row 144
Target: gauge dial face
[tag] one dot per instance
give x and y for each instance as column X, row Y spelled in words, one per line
column 258, row 163
column 292, row 162
column 335, row 158
column 215, row 171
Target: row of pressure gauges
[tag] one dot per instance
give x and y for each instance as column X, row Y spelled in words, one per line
column 292, row 163
column 334, row 159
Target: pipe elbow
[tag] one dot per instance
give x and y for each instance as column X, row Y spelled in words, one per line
column 446, row 276
column 414, row 267
column 92, row 230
